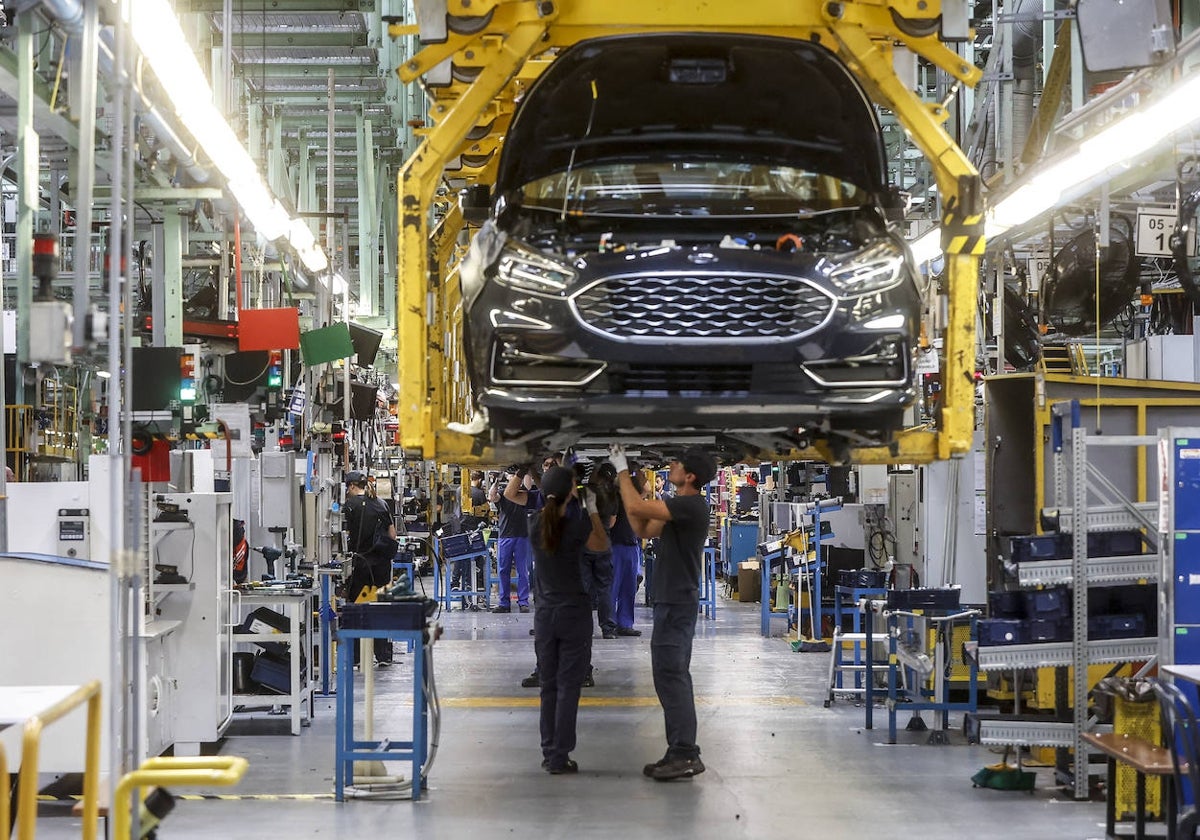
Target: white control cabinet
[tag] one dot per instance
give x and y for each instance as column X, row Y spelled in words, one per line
column 197, row 540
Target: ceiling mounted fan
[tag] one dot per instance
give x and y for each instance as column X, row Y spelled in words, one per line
column 1072, row 282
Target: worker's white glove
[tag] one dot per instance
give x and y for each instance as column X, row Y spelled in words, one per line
column 588, row 499
column 616, row 457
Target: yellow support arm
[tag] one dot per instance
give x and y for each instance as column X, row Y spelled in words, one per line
column 962, row 230
column 418, row 179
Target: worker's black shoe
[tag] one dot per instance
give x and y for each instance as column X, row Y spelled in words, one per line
column 502, row 609
column 559, row 769
column 628, row 631
column 385, row 663
column 588, row 681
column 649, row 769
column 532, row 681
column 609, row 634
column 524, row 608
column 679, row 767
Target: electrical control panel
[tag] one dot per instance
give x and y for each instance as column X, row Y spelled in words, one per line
column 74, row 533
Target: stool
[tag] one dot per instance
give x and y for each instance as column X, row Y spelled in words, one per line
column 1146, row 759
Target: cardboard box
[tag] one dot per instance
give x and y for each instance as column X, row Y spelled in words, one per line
column 749, row 581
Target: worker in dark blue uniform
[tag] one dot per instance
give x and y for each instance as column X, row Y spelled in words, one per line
column 681, row 525
column 365, row 517
column 567, row 524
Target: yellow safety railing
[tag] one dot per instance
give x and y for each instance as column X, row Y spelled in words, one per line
column 60, row 437
column 30, row 747
column 221, row 770
column 18, row 422
column 3, row 798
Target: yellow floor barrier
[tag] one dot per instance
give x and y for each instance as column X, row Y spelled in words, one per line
column 222, row 770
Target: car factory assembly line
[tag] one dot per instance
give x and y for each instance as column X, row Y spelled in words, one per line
column 544, row 334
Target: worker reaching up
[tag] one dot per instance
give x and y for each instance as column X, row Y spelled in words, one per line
column 558, row 534
column 681, row 525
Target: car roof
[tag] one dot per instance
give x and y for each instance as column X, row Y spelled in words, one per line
column 691, row 96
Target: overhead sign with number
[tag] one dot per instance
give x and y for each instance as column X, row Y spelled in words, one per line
column 1037, row 265
column 1154, row 234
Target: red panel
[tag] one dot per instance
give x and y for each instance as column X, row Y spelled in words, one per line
column 269, row 329
column 155, row 464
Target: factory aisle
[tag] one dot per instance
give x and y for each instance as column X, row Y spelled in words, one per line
column 778, row 763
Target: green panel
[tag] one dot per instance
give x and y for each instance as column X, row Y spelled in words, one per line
column 327, row 344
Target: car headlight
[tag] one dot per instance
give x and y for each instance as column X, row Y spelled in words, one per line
column 525, row 269
column 872, row 269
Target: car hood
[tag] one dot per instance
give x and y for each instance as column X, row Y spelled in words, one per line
column 683, row 96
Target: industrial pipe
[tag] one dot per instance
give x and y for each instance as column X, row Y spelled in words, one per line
column 154, row 119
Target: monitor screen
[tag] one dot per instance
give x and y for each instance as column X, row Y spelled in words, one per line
column 243, row 374
column 155, row 378
column 366, row 343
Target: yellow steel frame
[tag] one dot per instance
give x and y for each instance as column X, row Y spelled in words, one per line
column 513, row 49
column 31, row 743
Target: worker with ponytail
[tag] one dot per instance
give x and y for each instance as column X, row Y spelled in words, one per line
column 566, row 525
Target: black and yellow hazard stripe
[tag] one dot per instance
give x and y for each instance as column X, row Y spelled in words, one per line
column 227, row 797
column 202, row 436
column 964, row 235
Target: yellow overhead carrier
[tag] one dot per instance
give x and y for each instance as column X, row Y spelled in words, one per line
column 496, row 47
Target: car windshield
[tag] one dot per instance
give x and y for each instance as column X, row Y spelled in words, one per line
column 691, row 189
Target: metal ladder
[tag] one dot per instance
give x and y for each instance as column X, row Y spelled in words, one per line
column 837, row 665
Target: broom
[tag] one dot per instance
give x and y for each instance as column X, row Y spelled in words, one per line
column 811, row 643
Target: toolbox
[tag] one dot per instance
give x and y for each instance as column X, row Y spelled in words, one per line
column 1047, row 630
column 1061, row 546
column 1006, row 604
column 387, row 615
column 273, row 673
column 862, row 578
column 1052, row 603
column 267, row 620
column 1116, row 626
column 1042, row 547
column 456, row 545
column 924, row 599
column 1001, row 631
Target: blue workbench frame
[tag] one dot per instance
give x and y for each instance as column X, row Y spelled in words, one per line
column 347, row 749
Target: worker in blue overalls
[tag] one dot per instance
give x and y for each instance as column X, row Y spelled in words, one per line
column 512, row 545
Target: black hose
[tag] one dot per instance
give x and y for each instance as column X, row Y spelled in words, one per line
column 1178, row 242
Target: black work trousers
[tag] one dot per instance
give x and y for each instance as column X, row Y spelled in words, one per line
column 369, row 572
column 562, row 638
column 598, row 580
column 670, row 661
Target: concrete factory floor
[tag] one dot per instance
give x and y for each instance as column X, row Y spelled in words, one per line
column 779, row 763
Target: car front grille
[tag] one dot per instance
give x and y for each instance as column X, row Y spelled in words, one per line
column 728, row 380
column 703, row 307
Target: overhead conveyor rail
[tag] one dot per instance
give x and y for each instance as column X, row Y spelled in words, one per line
column 492, row 49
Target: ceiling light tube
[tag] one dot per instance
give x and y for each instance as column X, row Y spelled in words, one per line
column 160, row 39
column 1116, row 146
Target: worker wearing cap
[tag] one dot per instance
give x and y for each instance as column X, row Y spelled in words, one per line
column 681, row 525
column 558, row 535
column 362, row 516
column 512, row 546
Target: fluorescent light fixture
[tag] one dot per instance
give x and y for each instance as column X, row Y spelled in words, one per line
column 1110, row 151
column 158, row 35
column 104, row 374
